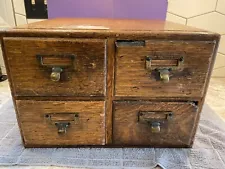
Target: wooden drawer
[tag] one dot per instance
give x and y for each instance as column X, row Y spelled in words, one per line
column 59, row 123
column 56, row 67
column 162, row 68
column 156, row 124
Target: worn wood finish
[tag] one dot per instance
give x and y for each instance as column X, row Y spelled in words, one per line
column 108, row 24
column 128, row 130
column 178, row 99
column 110, row 87
column 201, row 103
column 84, row 77
column 137, row 35
column 110, row 84
column 90, row 129
column 135, row 80
column 114, row 28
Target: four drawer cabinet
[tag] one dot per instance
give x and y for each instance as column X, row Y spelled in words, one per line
column 108, row 82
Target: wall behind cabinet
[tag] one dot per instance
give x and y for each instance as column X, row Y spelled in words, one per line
column 205, row 14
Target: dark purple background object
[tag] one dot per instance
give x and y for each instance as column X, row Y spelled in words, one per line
column 132, row 9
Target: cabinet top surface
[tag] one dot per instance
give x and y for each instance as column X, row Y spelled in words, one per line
column 109, row 24
column 104, row 28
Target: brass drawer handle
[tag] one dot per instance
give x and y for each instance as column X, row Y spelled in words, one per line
column 163, row 65
column 62, row 120
column 62, row 126
column 164, row 75
column 56, row 74
column 155, row 127
column 155, row 119
column 57, row 63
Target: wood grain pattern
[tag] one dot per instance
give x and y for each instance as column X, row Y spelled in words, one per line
column 37, row 131
column 110, row 83
column 202, row 101
column 127, row 130
column 110, row 88
column 110, row 28
column 108, row 24
column 137, row 35
column 85, row 78
column 134, row 80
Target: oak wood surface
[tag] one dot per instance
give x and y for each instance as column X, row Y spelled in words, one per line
column 90, row 129
column 109, row 24
column 112, row 102
column 110, row 88
column 105, row 28
column 85, row 76
column 188, row 80
column 202, row 101
column 127, row 130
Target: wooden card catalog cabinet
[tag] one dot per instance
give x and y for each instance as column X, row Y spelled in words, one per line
column 101, row 82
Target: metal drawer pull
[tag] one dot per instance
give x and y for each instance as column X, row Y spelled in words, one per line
column 155, row 127
column 163, row 65
column 57, row 63
column 62, row 126
column 164, row 75
column 62, row 120
column 56, row 74
column 155, row 119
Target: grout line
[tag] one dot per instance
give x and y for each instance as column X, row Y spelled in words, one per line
column 218, row 154
column 176, row 15
column 5, row 137
column 20, row 14
column 218, row 68
column 216, row 4
column 217, row 77
column 14, row 12
column 221, row 53
column 201, row 14
column 220, row 13
column 186, row 21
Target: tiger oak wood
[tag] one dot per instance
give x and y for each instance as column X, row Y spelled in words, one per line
column 108, row 81
column 30, row 78
column 128, row 130
column 133, row 79
column 38, row 131
column 105, row 28
column 110, row 86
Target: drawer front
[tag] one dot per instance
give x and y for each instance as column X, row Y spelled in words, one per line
column 162, row 68
column 58, row 123
column 158, row 124
column 56, row 67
